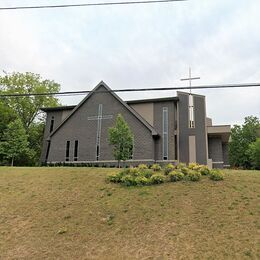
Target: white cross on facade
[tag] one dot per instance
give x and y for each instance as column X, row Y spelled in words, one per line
column 99, row 119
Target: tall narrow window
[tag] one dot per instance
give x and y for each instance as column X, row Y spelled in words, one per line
column 68, row 151
column 165, row 133
column 48, row 150
column 131, row 152
column 76, row 146
column 52, row 124
column 191, row 112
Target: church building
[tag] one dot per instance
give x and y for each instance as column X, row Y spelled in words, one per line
column 171, row 129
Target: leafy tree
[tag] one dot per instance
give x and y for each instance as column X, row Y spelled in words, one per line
column 254, row 154
column 15, row 141
column 27, row 108
column 122, row 138
column 241, row 138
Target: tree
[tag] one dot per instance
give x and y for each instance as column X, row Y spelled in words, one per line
column 15, row 141
column 254, row 154
column 241, row 138
column 121, row 138
column 27, row 108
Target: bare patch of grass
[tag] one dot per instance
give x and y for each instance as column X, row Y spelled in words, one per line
column 72, row 213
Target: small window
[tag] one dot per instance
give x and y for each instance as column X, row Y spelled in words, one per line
column 98, row 152
column 67, row 151
column 76, row 146
column 48, row 150
column 52, row 124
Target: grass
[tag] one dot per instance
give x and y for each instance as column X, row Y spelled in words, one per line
column 72, row 213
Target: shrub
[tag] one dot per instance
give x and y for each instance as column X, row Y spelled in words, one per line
column 146, row 173
column 141, row 180
column 192, row 165
column 176, row 176
column 142, row 167
column 133, row 171
column 185, row 170
column 157, row 178
column 156, row 167
column 168, row 168
column 128, row 180
column 204, row 170
column 114, row 177
column 216, row 175
column 193, row 175
column 181, row 165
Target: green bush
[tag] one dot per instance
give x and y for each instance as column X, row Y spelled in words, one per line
column 181, row 165
column 216, row 175
column 204, row 170
column 157, row 178
column 142, row 167
column 114, row 177
column 128, row 180
column 156, row 167
column 191, row 166
column 193, row 175
column 176, row 176
column 185, row 170
column 146, row 173
column 141, row 180
column 133, row 171
column 168, row 168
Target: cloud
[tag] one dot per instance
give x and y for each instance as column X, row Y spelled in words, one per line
column 142, row 46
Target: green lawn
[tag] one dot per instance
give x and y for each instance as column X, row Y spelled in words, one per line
column 72, row 213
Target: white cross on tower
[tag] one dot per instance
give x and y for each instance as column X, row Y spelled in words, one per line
column 99, row 119
column 191, row 103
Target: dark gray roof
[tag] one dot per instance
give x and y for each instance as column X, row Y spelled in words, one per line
column 48, row 109
column 152, row 100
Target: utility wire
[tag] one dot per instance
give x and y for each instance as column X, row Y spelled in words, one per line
column 89, row 4
column 83, row 92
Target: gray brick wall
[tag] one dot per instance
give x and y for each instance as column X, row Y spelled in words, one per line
column 78, row 127
column 215, row 151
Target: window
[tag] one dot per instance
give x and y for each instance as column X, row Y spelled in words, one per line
column 76, row 146
column 68, row 151
column 191, row 112
column 48, row 150
column 52, row 124
column 131, row 152
column 165, row 133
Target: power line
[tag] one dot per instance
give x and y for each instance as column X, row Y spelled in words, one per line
column 83, row 92
column 89, row 4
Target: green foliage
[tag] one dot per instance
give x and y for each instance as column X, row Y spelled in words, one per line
column 168, row 168
column 176, row 176
column 128, row 180
column 121, row 138
column 241, row 138
column 181, row 165
column 156, row 167
column 15, row 141
column 157, row 178
column 216, row 175
column 193, row 165
column 193, row 175
column 204, row 170
column 142, row 166
column 28, row 108
column 141, row 180
column 253, row 152
column 185, row 170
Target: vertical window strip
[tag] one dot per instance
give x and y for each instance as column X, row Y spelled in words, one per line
column 76, row 146
column 165, row 133
column 67, row 151
column 100, row 108
column 191, row 112
column 48, row 151
column 52, row 124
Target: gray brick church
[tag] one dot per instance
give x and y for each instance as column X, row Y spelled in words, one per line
column 171, row 129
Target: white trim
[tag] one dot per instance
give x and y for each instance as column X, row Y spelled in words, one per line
column 217, row 162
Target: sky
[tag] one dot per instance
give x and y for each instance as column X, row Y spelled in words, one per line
column 139, row 46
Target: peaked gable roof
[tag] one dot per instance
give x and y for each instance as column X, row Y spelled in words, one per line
column 131, row 110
